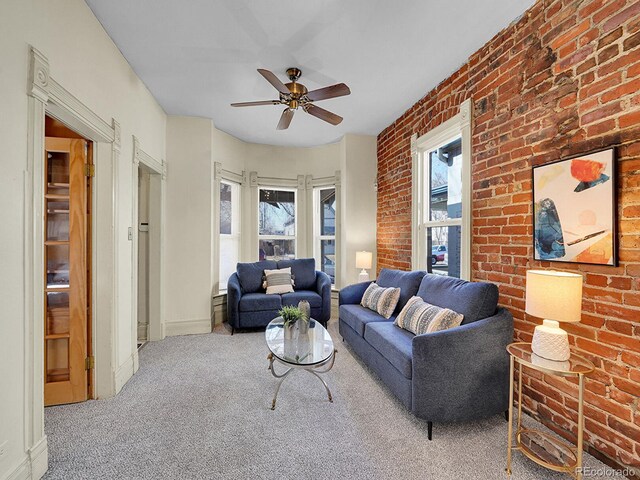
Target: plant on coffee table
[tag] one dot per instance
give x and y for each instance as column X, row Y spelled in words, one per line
column 290, row 315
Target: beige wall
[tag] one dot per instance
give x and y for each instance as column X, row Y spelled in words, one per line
column 96, row 73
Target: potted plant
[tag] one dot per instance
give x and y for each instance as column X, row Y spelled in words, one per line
column 290, row 315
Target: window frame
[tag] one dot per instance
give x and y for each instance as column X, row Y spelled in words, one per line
column 295, row 223
column 317, row 221
column 457, row 127
column 238, row 235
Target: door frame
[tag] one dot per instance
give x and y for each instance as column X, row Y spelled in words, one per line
column 158, row 176
column 47, row 97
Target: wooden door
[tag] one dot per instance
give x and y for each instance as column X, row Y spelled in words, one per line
column 66, row 271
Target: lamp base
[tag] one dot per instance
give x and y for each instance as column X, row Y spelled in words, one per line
column 551, row 342
column 364, row 276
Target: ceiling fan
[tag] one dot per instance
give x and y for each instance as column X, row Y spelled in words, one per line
column 295, row 95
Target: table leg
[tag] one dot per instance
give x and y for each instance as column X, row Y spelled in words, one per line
column 519, row 398
column 511, row 372
column 324, row 383
column 275, row 396
column 580, row 427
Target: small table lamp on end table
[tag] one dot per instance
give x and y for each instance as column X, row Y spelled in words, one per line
column 555, row 297
column 364, row 260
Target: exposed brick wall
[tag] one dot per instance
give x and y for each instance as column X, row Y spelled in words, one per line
column 562, row 80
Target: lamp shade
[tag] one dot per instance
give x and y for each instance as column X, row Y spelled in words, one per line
column 554, row 295
column 364, row 259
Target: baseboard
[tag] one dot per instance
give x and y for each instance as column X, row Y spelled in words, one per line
column 125, row 371
column 34, row 465
column 188, row 327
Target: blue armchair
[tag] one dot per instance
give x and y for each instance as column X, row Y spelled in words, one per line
column 249, row 306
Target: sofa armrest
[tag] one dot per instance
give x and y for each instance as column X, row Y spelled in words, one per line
column 352, row 294
column 234, row 293
column 323, row 287
column 463, row 373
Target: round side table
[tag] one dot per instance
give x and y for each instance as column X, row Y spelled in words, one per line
column 540, row 447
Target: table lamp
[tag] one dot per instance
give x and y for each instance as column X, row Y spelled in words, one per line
column 364, row 261
column 555, row 297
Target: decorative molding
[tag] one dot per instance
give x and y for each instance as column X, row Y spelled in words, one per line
column 22, row 471
column 321, row 182
column 38, row 75
column 253, row 179
column 239, row 178
column 124, row 372
column 466, row 112
column 308, row 182
column 338, row 177
column 39, row 458
column 414, row 144
column 217, row 170
column 64, row 106
column 301, row 182
column 188, row 327
column 117, row 138
column 140, row 156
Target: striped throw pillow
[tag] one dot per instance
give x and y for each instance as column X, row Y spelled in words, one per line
column 278, row 281
column 420, row 317
column 381, row 300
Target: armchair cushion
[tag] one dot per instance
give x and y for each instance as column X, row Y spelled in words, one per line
column 315, row 300
column 250, row 275
column 393, row 343
column 304, row 271
column 256, row 302
column 357, row 317
column 474, row 300
column 408, row 282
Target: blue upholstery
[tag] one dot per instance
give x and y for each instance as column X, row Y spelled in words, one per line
column 452, row 375
column 357, row 316
column 304, row 270
column 256, row 302
column 475, row 300
column 408, row 282
column 250, row 275
column 248, row 305
column 393, row 343
column 313, row 298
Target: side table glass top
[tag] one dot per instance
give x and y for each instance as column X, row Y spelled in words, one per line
column 311, row 348
column 576, row 365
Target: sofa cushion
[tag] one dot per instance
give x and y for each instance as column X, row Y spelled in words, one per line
column 381, row 300
column 250, row 275
column 256, row 302
column 278, row 281
column 393, row 343
column 304, row 271
column 315, row 300
column 408, row 282
column 420, row 317
column 357, row 316
column 475, row 300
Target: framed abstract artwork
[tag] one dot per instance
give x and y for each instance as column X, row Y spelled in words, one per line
column 574, row 209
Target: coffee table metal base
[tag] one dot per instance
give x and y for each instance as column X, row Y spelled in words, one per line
column 314, row 370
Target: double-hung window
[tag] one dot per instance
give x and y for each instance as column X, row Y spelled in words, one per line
column 277, row 224
column 442, row 192
column 229, row 230
column 324, row 244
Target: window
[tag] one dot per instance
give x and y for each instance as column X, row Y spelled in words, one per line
column 277, row 224
column 325, row 230
column 441, row 193
column 229, row 230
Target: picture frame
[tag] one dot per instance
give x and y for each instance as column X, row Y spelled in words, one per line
column 575, row 209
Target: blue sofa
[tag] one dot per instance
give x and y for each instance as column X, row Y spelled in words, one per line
column 249, row 306
column 448, row 376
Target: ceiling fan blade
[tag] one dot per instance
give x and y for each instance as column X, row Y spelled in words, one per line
column 285, row 119
column 254, row 104
column 273, row 80
column 337, row 90
column 323, row 114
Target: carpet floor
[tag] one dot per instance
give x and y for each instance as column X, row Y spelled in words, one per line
column 199, row 408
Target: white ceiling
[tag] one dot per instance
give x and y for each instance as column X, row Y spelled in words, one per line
column 198, row 56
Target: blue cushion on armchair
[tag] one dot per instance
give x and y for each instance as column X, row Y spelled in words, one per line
column 304, row 271
column 475, row 300
column 408, row 282
column 257, row 302
column 250, row 275
column 314, row 299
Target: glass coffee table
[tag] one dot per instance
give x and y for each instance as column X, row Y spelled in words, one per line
column 312, row 351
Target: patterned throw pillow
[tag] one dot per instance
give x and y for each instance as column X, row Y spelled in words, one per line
column 278, row 281
column 381, row 300
column 420, row 317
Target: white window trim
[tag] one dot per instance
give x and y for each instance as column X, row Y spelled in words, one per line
column 316, row 237
column 296, row 237
column 234, row 236
column 458, row 126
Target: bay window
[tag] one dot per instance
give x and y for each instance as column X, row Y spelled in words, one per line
column 276, row 224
